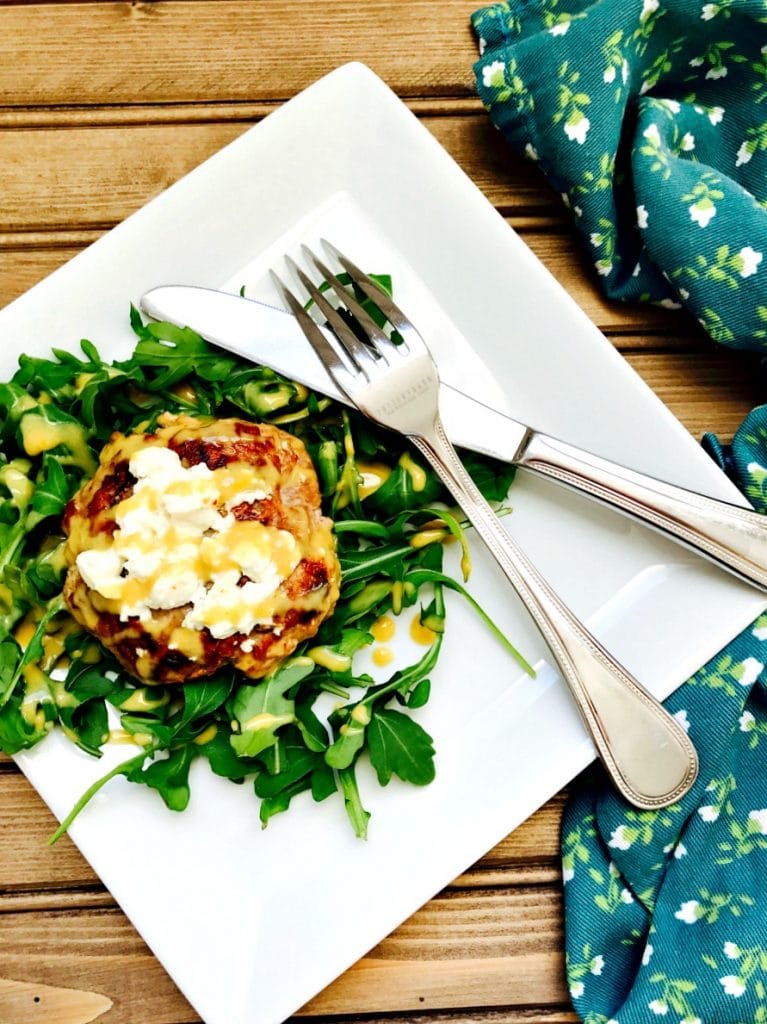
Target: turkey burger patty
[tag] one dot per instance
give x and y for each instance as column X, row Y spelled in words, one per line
column 200, row 545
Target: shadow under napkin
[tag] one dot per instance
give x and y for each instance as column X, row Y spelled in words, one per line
column 650, row 117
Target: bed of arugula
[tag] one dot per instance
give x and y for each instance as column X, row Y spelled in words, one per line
column 297, row 747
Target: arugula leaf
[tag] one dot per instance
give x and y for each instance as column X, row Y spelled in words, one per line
column 399, row 492
column 87, row 725
column 351, row 738
column 170, row 777
column 419, row 695
column 357, row 814
column 280, row 802
column 361, row 565
column 16, row 731
column 399, row 746
column 262, row 710
column 203, row 697
column 85, row 681
column 53, row 491
column 493, row 478
column 223, row 759
column 323, row 782
column 32, row 653
column 294, row 762
column 143, row 726
column 178, row 352
column 314, row 733
column 419, row 576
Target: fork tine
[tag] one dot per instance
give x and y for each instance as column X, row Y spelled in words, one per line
column 360, row 355
column 330, row 352
column 378, row 338
column 376, row 294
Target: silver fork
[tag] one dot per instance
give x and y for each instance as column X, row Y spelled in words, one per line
column 648, row 755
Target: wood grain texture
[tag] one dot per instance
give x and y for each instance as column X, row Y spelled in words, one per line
column 707, row 391
column 488, row 949
column 105, row 53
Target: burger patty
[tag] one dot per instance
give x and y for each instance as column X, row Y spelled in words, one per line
column 198, row 546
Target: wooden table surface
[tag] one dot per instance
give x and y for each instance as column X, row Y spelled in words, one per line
column 103, row 105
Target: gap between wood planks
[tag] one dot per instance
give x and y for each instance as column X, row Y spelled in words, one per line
column 197, row 112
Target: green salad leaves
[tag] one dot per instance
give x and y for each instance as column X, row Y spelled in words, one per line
column 306, row 726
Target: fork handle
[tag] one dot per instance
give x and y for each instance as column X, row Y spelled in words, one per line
column 646, row 752
column 733, row 537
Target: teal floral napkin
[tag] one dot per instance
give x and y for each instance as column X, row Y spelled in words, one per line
column 650, row 118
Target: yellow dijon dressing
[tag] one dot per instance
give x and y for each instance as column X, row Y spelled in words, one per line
column 141, row 739
column 34, row 677
column 373, row 475
column 185, row 392
column 416, row 473
column 206, row 735
column 383, row 629
column 39, row 684
column 331, row 660
column 361, row 714
column 383, row 656
column 424, row 537
column 420, row 633
column 14, row 476
column 39, row 435
column 52, row 554
column 140, row 700
column 264, row 720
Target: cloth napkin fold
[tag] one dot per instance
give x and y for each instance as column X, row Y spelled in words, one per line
column 650, row 117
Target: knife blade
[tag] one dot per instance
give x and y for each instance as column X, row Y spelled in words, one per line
column 259, row 332
column 731, row 536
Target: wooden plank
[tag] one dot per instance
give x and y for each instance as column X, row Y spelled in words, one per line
column 22, row 267
column 147, row 52
column 489, row 949
column 710, row 390
column 198, row 112
column 506, row 1015
column 86, row 177
column 26, row 861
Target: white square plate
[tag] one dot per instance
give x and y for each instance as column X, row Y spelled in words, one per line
column 251, row 924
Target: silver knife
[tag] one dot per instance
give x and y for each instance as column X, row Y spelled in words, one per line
column 733, row 537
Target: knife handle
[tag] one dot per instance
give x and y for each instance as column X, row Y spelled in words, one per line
column 732, row 537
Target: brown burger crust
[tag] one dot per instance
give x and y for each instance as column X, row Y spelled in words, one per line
column 162, row 649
